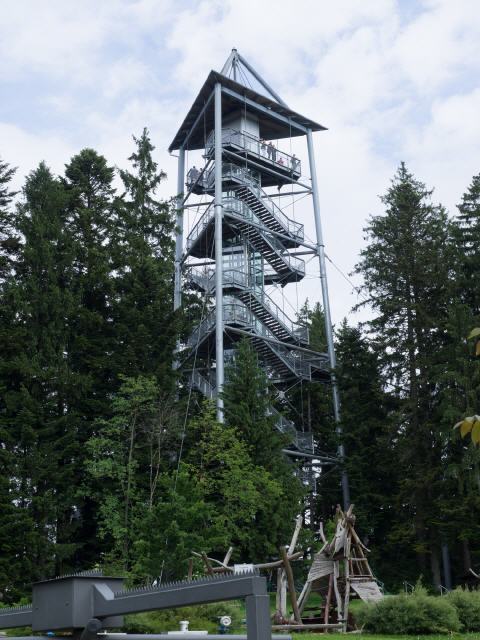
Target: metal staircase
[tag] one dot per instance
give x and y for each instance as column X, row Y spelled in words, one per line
column 301, row 440
column 236, row 283
column 243, row 221
column 283, row 360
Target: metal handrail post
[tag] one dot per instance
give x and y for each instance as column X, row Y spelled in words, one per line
column 328, row 319
column 218, row 253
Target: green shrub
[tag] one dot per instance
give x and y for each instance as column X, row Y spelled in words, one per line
column 205, row 616
column 413, row 614
column 467, row 604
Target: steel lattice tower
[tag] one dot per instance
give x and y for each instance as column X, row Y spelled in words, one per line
column 244, row 242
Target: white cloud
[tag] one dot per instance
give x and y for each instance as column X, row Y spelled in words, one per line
column 390, row 85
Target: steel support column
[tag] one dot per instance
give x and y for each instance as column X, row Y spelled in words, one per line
column 328, row 319
column 177, row 298
column 259, row 626
column 218, row 252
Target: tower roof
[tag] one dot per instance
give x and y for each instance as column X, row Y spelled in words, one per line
column 276, row 119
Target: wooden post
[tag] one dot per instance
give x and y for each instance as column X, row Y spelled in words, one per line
column 228, row 555
column 190, row 569
column 329, row 599
column 338, row 597
column 207, row 564
column 303, row 597
column 291, row 584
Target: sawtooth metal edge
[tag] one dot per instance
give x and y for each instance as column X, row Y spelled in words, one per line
column 70, row 602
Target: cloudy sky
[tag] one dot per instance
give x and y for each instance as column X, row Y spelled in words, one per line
column 392, row 80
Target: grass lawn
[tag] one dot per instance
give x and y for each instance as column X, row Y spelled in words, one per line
column 369, row 636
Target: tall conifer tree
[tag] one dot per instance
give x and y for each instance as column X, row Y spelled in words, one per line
column 405, row 268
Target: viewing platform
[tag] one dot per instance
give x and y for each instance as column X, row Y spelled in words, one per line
column 276, row 166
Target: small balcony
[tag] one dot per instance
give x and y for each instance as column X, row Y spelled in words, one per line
column 272, row 162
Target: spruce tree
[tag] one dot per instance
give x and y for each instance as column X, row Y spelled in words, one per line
column 248, row 396
column 9, row 242
column 144, row 323
column 91, row 221
column 405, row 268
column 13, row 519
column 466, row 232
column 369, row 439
column 39, row 383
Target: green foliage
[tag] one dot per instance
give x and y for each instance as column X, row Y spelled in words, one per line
column 201, row 617
column 413, row 614
column 178, row 522
column 133, row 439
column 240, row 492
column 248, row 397
column 467, row 604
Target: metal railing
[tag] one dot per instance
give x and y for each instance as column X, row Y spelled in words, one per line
column 235, row 312
column 240, row 209
column 242, row 175
column 262, row 149
column 292, row 228
column 239, row 278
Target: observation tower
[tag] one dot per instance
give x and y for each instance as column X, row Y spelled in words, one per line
column 241, row 247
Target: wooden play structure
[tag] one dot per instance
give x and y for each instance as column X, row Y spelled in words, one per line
column 339, row 571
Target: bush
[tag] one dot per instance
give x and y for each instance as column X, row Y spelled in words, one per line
column 205, row 616
column 467, row 604
column 413, row 614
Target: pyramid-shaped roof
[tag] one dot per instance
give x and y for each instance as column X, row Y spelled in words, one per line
column 276, row 119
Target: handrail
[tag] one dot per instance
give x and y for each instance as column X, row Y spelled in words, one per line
column 260, row 148
column 241, row 209
column 235, row 311
column 237, row 277
column 291, row 226
column 230, row 170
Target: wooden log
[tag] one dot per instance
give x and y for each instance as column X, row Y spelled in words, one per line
column 303, row 598
column 293, row 541
column 346, row 601
column 278, row 563
column 301, row 627
column 228, row 555
column 220, row 564
column 322, row 534
column 291, row 584
column 329, row 599
column 281, row 599
column 208, row 566
column 190, row 569
column 336, row 590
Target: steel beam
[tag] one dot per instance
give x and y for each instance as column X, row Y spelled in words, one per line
column 328, row 319
column 264, row 84
column 218, row 252
column 197, row 120
column 177, row 299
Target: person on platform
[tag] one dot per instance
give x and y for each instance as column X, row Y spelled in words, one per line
column 192, row 175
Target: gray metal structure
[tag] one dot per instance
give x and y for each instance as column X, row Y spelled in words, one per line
column 244, row 242
column 88, row 602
